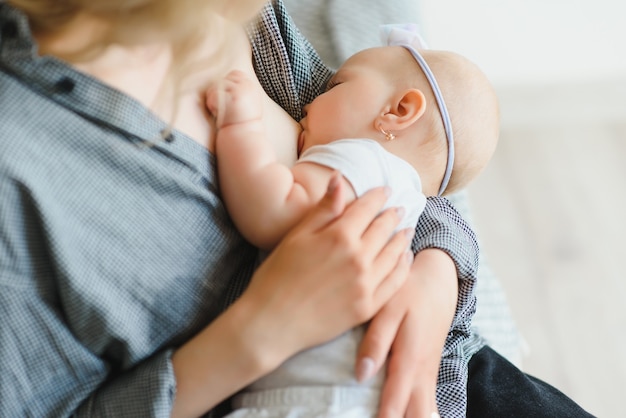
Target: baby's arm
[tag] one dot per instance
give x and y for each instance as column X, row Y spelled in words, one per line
column 264, row 197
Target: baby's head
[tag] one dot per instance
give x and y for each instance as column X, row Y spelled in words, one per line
column 474, row 113
column 380, row 93
column 472, row 108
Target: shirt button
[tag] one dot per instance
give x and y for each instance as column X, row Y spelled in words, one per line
column 9, row 30
column 167, row 135
column 64, row 85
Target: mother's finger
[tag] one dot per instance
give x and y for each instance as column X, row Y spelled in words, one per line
column 328, row 209
column 401, row 372
column 392, row 281
column 359, row 214
column 384, row 253
column 376, row 344
column 377, row 234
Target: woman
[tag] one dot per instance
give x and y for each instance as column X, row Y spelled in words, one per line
column 122, row 277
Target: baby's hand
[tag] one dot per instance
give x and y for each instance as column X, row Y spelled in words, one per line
column 236, row 99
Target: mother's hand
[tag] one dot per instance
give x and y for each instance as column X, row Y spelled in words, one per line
column 415, row 324
column 332, row 272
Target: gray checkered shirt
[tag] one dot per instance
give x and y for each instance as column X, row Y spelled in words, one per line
column 112, row 253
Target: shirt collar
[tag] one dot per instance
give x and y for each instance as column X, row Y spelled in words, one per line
column 85, row 95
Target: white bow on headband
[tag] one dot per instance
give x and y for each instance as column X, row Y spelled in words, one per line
column 407, row 36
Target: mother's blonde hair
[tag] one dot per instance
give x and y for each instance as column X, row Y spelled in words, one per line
column 137, row 21
column 183, row 23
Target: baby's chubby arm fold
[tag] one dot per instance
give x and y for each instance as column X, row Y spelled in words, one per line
column 264, row 197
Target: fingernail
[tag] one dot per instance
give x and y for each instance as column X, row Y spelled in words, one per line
column 410, row 233
column 435, row 415
column 365, row 369
column 387, row 191
column 408, row 256
column 400, row 211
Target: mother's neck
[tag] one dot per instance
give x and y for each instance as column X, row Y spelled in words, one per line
column 138, row 71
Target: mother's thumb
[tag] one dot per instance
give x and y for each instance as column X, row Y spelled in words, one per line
column 330, row 206
column 335, row 196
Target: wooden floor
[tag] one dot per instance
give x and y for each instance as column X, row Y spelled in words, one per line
column 550, row 211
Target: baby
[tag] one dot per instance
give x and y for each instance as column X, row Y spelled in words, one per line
column 382, row 121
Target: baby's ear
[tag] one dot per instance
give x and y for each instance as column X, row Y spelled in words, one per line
column 406, row 109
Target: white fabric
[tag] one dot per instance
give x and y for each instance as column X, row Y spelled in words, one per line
column 366, row 164
column 320, row 382
column 308, row 402
column 325, row 372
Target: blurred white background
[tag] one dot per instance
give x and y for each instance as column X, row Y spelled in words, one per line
column 532, row 41
column 550, row 207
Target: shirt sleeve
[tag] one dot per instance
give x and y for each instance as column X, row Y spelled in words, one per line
column 286, row 64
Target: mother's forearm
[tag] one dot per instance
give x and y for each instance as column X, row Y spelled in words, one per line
column 442, row 227
column 437, row 295
column 219, row 361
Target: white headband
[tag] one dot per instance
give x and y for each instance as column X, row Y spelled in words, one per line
column 407, row 36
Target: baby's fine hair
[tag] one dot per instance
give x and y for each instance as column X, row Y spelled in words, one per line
column 474, row 113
